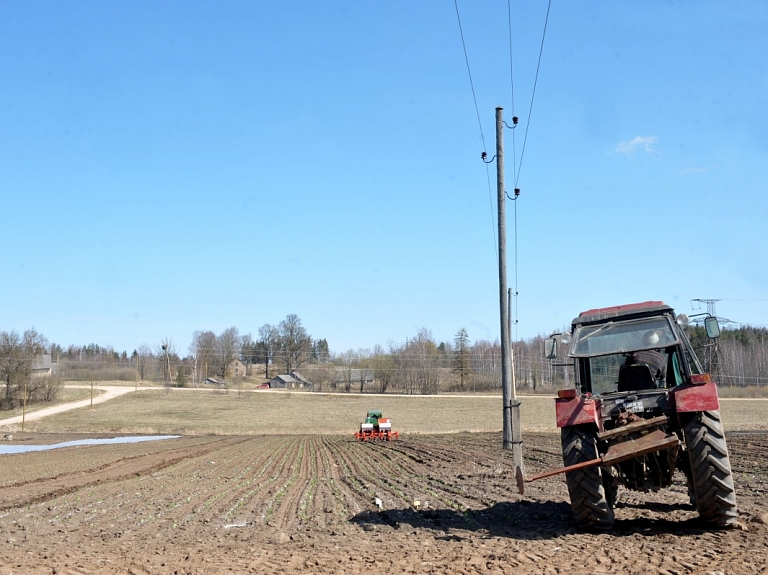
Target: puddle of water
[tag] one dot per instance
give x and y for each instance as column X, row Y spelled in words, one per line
column 12, row 449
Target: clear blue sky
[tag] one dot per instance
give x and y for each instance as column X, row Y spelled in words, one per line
column 174, row 166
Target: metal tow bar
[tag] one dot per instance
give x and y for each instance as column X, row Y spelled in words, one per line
column 629, row 449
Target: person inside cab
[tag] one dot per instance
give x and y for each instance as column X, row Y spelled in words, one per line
column 654, row 359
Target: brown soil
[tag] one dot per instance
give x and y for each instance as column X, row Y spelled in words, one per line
column 308, row 504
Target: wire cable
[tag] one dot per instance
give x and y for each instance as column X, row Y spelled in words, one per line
column 469, row 72
column 533, row 94
column 479, row 122
column 512, row 86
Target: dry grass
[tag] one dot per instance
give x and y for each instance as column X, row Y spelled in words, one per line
column 744, row 391
column 744, row 414
column 65, row 395
column 219, row 412
column 195, row 412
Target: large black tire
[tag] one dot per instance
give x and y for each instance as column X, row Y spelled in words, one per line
column 715, row 497
column 591, row 508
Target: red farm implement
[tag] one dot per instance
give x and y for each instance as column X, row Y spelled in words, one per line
column 376, row 428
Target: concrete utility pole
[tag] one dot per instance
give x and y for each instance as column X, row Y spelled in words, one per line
column 512, row 435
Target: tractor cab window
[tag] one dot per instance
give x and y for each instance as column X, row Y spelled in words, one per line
column 606, row 373
column 622, row 337
column 693, row 361
column 628, row 355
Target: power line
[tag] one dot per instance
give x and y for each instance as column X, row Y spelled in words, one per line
column 512, row 86
column 479, row 122
column 517, row 168
column 469, row 72
column 533, row 93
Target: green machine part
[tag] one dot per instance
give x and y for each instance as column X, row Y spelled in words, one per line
column 373, row 416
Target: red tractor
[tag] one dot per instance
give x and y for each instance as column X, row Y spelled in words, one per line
column 642, row 406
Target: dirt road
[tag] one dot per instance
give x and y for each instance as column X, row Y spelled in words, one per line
column 107, row 392
column 308, row 504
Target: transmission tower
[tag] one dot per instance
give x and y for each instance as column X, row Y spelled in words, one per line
column 710, row 351
column 710, row 305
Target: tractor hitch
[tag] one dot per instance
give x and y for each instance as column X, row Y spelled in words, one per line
column 623, row 451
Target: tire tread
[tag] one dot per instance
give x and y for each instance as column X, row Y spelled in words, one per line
column 711, row 469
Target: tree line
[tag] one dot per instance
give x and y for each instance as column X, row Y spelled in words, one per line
column 420, row 365
column 282, row 347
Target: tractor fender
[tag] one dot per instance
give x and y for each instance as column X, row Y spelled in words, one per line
column 690, row 397
column 578, row 411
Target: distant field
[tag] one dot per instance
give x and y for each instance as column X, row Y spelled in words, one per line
column 204, row 412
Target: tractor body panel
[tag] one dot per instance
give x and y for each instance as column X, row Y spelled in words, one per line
column 577, row 411
column 691, row 397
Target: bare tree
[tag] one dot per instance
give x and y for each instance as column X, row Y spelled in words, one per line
column 18, row 355
column 228, row 348
column 426, row 361
column 248, row 350
column 166, row 352
column 347, row 360
column 294, row 341
column 203, row 347
column 383, row 365
column 143, row 355
column 320, row 374
column 486, row 364
column 364, row 363
column 417, row 364
column 267, row 345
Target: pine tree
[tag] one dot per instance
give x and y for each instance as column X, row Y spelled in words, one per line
column 461, row 363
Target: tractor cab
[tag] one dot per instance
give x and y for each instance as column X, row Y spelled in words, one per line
column 373, row 417
column 621, row 349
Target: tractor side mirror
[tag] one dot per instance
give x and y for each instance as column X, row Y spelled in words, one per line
column 712, row 327
column 550, row 348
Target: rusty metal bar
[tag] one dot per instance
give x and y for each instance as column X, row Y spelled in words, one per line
column 632, row 427
column 650, row 443
column 582, row 465
column 655, row 441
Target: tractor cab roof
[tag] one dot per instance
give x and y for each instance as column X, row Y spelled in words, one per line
column 374, row 413
column 627, row 311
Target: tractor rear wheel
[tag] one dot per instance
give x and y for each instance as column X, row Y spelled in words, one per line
column 715, row 497
column 591, row 506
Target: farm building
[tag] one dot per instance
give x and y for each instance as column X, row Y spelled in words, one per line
column 354, row 376
column 293, row 381
column 43, row 366
column 236, row 368
column 302, row 380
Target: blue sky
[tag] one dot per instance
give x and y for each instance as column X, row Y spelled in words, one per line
column 172, row 166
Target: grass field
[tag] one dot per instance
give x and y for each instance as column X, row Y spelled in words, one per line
column 204, row 412
column 65, row 395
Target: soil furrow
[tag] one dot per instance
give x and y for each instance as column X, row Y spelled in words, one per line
column 294, row 505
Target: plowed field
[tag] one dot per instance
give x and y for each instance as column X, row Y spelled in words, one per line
column 308, row 504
